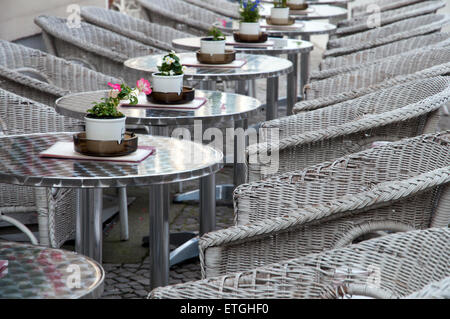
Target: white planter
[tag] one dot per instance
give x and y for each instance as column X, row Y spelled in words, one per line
column 279, row 14
column 105, row 129
column 212, row 47
column 296, row 2
column 251, row 28
column 167, row 84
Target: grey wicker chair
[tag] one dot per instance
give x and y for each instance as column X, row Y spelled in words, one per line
column 394, row 266
column 435, row 290
column 99, row 49
column 360, row 23
column 140, row 30
column 370, row 78
column 55, row 207
column 384, row 50
column 397, row 31
column 382, row 5
column 180, row 15
column 309, row 138
column 222, row 7
column 399, row 186
column 43, row 77
column 314, row 104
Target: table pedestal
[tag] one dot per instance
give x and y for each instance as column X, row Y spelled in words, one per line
column 89, row 230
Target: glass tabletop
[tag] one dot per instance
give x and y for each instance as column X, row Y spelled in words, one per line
column 312, row 12
column 256, row 66
column 41, row 272
column 277, row 46
column 319, row 2
column 219, row 106
column 174, row 160
column 299, row 28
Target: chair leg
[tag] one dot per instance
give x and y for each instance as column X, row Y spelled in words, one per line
column 21, row 227
column 123, row 213
column 445, row 110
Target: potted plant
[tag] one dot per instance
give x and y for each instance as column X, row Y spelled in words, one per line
column 280, row 11
column 249, row 11
column 169, row 79
column 297, row 4
column 104, row 122
column 214, row 44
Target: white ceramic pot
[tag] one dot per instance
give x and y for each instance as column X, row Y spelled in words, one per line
column 167, row 84
column 105, row 129
column 209, row 46
column 250, row 28
column 296, row 2
column 280, row 14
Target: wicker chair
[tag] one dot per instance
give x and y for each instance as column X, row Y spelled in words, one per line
column 314, row 104
column 392, row 266
column 140, row 30
column 94, row 47
column 309, row 138
column 384, row 51
column 387, row 34
column 382, row 5
column 43, row 77
column 399, row 186
column 55, row 207
column 408, row 50
column 377, row 72
column 222, row 7
column 435, row 290
column 360, row 23
column 180, row 15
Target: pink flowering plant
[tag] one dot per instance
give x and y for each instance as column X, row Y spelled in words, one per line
column 107, row 108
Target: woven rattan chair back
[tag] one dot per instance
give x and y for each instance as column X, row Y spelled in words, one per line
column 222, row 7
column 396, row 187
column 393, row 32
column 92, row 46
column 55, row 208
column 394, row 266
column 353, row 60
column 377, row 72
column 380, row 6
column 151, row 34
column 180, row 15
column 44, row 77
column 307, row 138
column 362, row 23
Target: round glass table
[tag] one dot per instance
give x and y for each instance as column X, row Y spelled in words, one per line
column 219, row 111
column 293, row 48
column 313, row 12
column 256, row 67
column 174, row 160
column 29, row 272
